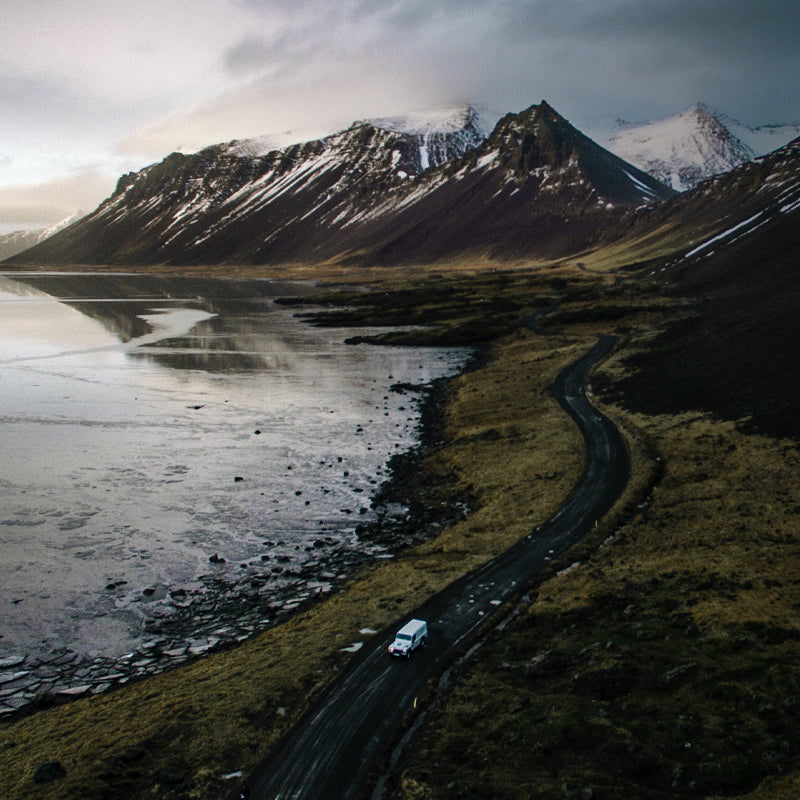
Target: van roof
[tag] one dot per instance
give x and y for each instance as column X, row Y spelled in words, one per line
column 413, row 625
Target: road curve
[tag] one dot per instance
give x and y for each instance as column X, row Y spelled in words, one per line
column 333, row 752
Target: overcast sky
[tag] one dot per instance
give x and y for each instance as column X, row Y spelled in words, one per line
column 93, row 88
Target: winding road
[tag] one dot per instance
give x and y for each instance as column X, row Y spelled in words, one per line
column 334, row 752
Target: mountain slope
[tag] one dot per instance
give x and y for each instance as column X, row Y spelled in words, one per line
column 682, row 150
column 735, row 353
column 385, row 191
column 537, row 187
column 762, row 139
column 18, row 241
column 693, row 225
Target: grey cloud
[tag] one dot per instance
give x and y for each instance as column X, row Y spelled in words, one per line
column 250, row 54
column 310, row 64
column 623, row 19
column 33, row 101
column 41, row 204
column 656, row 56
column 597, row 59
column 301, row 32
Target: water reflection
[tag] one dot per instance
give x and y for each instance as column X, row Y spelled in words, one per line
column 150, row 423
column 225, row 318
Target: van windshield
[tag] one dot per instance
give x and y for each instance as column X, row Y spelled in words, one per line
column 403, row 637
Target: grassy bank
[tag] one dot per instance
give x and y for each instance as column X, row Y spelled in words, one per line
column 662, row 661
column 505, row 443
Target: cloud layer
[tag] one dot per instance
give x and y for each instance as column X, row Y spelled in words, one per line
column 106, row 85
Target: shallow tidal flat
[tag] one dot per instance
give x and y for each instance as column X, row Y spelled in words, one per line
column 184, row 463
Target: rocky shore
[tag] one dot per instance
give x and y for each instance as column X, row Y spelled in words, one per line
column 181, row 623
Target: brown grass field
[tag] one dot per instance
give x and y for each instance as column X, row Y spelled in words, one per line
column 658, row 659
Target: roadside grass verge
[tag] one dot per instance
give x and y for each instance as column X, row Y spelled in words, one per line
column 662, row 662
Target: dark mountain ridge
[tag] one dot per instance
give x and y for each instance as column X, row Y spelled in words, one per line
column 535, row 187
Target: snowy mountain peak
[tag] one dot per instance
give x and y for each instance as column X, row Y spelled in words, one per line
column 763, row 139
column 440, row 134
column 460, row 126
column 682, row 150
column 252, row 148
column 59, row 226
column 438, row 120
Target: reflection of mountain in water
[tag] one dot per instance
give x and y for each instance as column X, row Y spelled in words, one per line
column 232, row 341
column 235, row 339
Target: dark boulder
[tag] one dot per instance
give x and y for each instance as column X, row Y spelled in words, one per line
column 48, row 772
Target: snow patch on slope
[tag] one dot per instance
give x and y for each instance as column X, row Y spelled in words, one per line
column 763, row 139
column 725, row 234
column 439, row 120
column 253, row 148
column 682, row 150
column 440, row 134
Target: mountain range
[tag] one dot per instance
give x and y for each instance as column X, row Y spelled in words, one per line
column 374, row 192
column 420, row 189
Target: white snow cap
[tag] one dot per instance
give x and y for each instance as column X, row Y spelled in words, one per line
column 681, row 150
column 438, row 120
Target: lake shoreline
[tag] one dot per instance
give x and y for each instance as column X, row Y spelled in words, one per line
column 190, row 621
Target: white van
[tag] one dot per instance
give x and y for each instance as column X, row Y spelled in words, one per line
column 411, row 636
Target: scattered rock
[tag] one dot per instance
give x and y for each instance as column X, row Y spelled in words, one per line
column 74, row 691
column 216, row 559
column 8, row 677
column 672, row 676
column 238, row 478
column 49, row 771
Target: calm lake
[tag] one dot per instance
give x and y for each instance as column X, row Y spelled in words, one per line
column 165, row 439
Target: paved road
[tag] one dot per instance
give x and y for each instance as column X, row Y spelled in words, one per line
column 332, row 754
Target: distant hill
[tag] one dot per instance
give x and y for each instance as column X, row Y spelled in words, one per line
column 736, row 350
column 18, row 241
column 693, row 225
